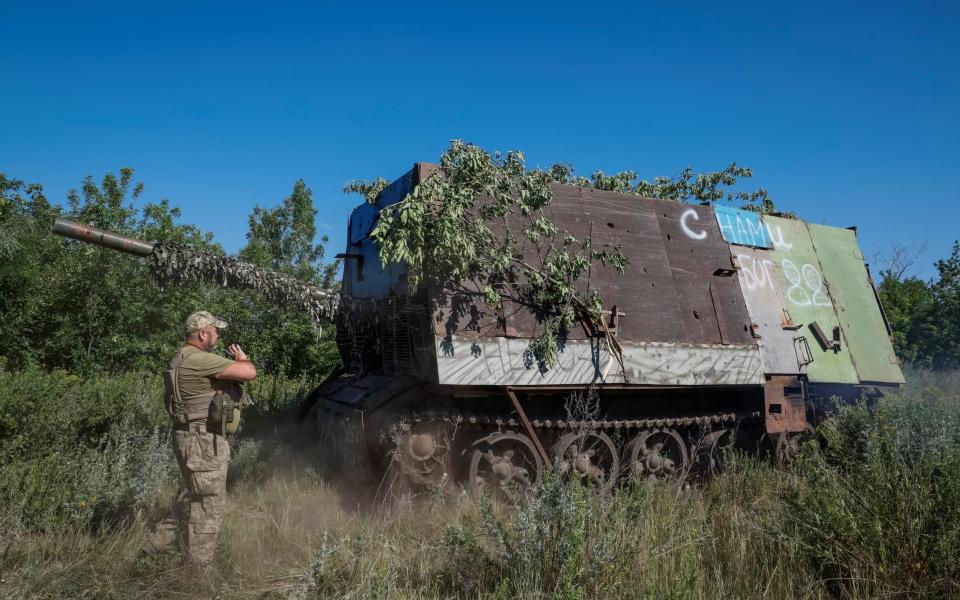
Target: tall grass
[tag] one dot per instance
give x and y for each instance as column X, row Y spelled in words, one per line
column 89, row 452
column 877, row 504
column 78, row 453
column 871, row 509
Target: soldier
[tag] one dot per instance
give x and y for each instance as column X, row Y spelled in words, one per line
column 194, row 378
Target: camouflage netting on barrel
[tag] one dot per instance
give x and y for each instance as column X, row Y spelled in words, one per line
column 173, row 264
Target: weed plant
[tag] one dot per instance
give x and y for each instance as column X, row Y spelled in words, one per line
column 79, row 453
column 870, row 509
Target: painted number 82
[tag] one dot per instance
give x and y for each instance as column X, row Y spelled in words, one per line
column 806, row 285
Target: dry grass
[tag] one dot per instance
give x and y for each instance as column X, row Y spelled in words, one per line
column 874, row 512
column 291, row 536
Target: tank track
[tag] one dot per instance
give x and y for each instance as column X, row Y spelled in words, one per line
column 575, row 424
column 497, row 450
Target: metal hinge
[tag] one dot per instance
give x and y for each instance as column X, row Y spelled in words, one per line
column 786, row 321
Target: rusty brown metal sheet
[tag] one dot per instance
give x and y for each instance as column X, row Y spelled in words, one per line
column 658, row 348
column 423, row 170
column 681, row 320
column 647, row 293
column 784, row 405
column 712, row 309
column 467, row 315
column 680, row 286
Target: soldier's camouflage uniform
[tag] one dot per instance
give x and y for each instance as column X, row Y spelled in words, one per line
column 201, row 455
column 203, row 459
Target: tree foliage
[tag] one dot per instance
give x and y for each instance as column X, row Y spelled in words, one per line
column 69, row 305
column 482, row 224
column 925, row 315
column 685, row 187
column 476, row 223
column 284, row 239
column 368, row 189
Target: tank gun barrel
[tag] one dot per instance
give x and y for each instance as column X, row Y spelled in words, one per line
column 172, row 264
column 102, row 237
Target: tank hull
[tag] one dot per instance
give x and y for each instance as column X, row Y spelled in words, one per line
column 731, row 327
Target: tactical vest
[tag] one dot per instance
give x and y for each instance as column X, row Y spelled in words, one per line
column 220, row 408
column 183, row 410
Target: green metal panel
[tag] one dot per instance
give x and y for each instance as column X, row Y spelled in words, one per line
column 796, row 268
column 856, row 304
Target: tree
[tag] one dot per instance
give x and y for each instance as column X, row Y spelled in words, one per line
column 925, row 316
column 284, row 239
column 65, row 304
column 14, row 220
column 946, row 312
column 685, row 187
column 908, row 303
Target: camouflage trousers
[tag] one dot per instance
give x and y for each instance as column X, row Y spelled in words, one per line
column 203, row 459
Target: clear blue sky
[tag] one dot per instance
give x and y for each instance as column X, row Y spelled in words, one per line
column 847, row 113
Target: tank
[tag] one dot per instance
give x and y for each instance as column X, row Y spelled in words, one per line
column 729, row 327
column 732, row 327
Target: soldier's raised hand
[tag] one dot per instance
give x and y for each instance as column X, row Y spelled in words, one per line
column 237, row 352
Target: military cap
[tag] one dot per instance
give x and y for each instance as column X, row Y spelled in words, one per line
column 201, row 319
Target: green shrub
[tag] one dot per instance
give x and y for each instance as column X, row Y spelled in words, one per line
column 80, row 452
column 87, row 451
column 877, row 503
column 647, row 540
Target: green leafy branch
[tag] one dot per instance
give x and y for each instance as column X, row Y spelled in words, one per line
column 481, row 224
column 687, row 187
column 368, row 189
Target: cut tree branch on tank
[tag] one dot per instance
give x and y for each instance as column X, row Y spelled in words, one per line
column 481, row 225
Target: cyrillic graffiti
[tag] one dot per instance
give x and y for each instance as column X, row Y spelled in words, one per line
column 755, row 272
column 805, row 283
column 779, row 244
column 691, row 214
column 737, row 227
column 742, row 227
column 813, row 280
